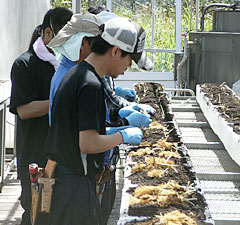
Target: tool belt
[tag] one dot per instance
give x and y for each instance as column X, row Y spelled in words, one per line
column 42, row 186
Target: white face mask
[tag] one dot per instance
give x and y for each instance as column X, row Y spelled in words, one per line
column 71, row 48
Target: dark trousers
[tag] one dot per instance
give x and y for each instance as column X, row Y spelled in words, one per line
column 26, row 201
column 108, row 198
column 74, row 201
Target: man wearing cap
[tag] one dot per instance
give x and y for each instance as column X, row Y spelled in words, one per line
column 118, row 100
column 72, row 43
column 77, row 139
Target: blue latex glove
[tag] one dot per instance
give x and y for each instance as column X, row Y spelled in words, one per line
column 127, row 93
column 132, row 135
column 138, row 119
column 126, row 111
column 113, row 130
column 145, row 107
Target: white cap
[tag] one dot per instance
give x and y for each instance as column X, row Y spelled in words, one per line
column 129, row 37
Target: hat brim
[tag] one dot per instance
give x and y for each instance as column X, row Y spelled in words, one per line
column 79, row 23
column 142, row 60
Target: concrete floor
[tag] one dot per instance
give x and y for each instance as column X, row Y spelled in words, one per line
column 10, row 208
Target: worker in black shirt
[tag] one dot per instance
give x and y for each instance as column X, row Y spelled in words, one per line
column 72, row 42
column 77, row 139
column 31, row 75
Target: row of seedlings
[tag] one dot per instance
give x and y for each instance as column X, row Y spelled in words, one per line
column 160, row 186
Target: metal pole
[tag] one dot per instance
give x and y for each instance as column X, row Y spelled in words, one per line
column 76, row 6
column 191, row 14
column 197, row 14
column 109, row 5
column 183, row 61
column 153, row 26
column 2, row 142
column 100, row 2
column 178, row 25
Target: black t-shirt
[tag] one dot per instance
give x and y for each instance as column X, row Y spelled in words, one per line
column 31, row 79
column 78, row 105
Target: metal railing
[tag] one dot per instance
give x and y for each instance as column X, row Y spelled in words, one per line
column 7, row 161
column 7, row 156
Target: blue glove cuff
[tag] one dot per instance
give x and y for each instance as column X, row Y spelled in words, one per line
column 124, row 135
column 132, row 136
column 113, row 130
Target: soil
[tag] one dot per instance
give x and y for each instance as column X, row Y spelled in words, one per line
column 182, row 174
column 154, row 95
column 228, row 104
column 195, row 211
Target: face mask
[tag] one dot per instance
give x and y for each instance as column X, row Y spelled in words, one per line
column 71, row 48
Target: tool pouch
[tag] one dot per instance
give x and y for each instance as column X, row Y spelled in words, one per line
column 42, row 192
column 47, row 183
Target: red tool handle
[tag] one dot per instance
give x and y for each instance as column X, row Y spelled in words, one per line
column 33, row 171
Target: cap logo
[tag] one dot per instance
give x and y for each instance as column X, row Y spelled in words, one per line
column 140, row 43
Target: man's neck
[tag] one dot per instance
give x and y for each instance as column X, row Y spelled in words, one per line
column 99, row 62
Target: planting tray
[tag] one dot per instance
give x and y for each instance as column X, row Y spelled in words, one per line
column 221, row 127
column 127, row 216
column 217, row 172
column 124, row 217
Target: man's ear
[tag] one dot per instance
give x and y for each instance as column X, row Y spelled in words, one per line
column 47, row 35
column 83, row 43
column 114, row 51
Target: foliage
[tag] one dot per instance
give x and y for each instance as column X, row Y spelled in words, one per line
column 164, row 35
column 68, row 3
column 61, row 3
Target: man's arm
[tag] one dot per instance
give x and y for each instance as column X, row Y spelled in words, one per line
column 33, row 109
column 113, row 100
column 91, row 142
column 23, row 100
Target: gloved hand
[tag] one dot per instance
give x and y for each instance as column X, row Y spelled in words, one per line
column 132, row 135
column 113, row 130
column 138, row 119
column 145, row 107
column 127, row 93
column 126, row 111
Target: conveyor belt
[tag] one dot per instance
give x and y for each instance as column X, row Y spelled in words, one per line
column 218, row 174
